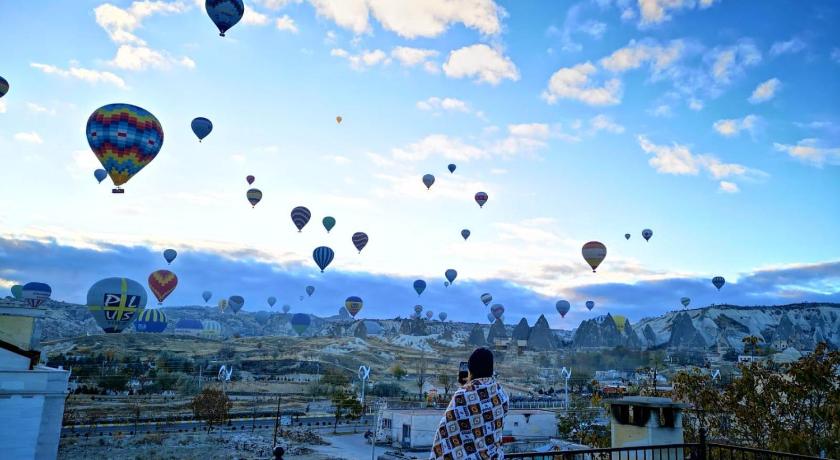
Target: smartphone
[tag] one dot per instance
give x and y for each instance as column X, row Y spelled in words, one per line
column 463, row 372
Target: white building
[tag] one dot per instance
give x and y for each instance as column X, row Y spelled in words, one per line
column 415, row 428
column 31, row 395
column 646, row 421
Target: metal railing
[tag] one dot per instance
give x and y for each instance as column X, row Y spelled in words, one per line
column 716, row 451
column 688, row 451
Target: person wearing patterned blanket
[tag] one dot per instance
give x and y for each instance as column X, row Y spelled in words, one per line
column 471, row 428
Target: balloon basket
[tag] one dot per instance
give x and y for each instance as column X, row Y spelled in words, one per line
column 117, row 190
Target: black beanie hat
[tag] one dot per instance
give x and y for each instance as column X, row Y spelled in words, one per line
column 481, row 363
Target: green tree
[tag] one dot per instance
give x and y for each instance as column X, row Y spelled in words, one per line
column 345, row 405
column 113, row 382
column 398, row 372
column 211, row 405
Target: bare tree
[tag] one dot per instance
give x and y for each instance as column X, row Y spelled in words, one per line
column 446, row 380
column 421, row 374
column 212, row 406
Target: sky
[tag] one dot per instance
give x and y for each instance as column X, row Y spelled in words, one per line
column 712, row 122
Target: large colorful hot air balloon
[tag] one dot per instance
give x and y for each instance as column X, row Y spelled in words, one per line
column 323, row 256
column 428, row 180
column 34, row 294
column 685, row 301
column 115, row 303
column 4, row 86
column 224, row 13
column 590, row 305
column 451, row 167
column 162, row 283
column 429, row 314
column 360, row 240
column 100, row 175
column 206, row 295
column 151, row 320
column 329, row 223
column 286, row 308
column 17, row 292
column 486, row 298
column 300, row 322
column 465, row 234
column 338, row 119
column 236, row 302
column 169, row 255
column 254, row 196
column 442, row 316
column 481, row 198
column 626, row 236
column 201, row 127
column 125, row 138
column 647, row 233
column 310, row 290
column 419, row 286
column 563, row 307
column 418, row 309
column 594, row 253
column 353, row 305
column 250, row 179
column 300, row 217
column 718, row 281
column 450, row 275
column 271, row 301
column 497, row 310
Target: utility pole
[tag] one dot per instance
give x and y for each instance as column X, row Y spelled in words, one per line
column 364, row 374
column 276, row 423
column 566, row 373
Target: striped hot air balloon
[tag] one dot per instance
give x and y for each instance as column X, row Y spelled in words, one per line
column 115, row 303
column 162, row 283
column 418, row 309
column 594, row 253
column 429, row 314
column 322, row 256
column 224, row 13
column 254, row 196
column 481, row 198
column 353, row 304
column 486, row 298
column 4, row 86
column 150, row 320
column 685, row 301
column 34, row 294
column 497, row 310
column 300, row 217
column 360, row 240
column 718, row 281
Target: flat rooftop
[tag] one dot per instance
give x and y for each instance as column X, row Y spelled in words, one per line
column 647, row 401
column 440, row 411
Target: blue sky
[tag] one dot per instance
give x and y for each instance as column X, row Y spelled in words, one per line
column 714, row 123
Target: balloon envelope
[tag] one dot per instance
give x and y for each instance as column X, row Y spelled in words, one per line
column 465, row 234
column 563, row 307
column 626, row 236
column 446, row 283
column 206, row 295
column 300, row 322
column 201, row 127
column 685, row 301
column 451, row 167
column 353, row 305
column 360, row 240
column 418, row 309
column 223, row 305
column 486, row 298
column 4, row 86
column 594, row 253
column 490, row 317
column 647, row 233
column 300, row 217
column 718, row 281
column 329, row 223
column 497, row 310
column 169, row 255
column 236, row 302
column 286, row 308
column 34, row 294
column 254, row 196
column 271, row 301
column 162, row 283
column 429, row 314
column 100, row 175
column 310, row 290
column 17, row 292
column 249, row 179
column 450, row 275
column 419, row 286
column 323, row 256
column 224, row 13
column 428, row 180
column 125, row 138
column 150, row 320
column 442, row 316
column 115, row 303
column 481, row 198
column 590, row 305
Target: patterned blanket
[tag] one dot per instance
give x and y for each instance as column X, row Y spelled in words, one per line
column 471, row 428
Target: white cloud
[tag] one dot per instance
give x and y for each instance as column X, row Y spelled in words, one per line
column 728, row 187
column 730, row 61
column 573, row 24
column 810, row 151
column 695, row 104
column 729, row 127
column 131, row 57
column 535, row 130
column 428, row 18
column 636, row 54
column 410, row 57
column 273, row 4
column 253, row 17
column 765, row 91
column 120, row 23
column 605, row 123
column 286, row 23
column 338, row 159
column 482, row 63
column 2, row 106
column 35, row 108
column 677, row 159
column 656, row 11
column 498, row 171
column 575, row 83
column 661, row 110
column 31, row 137
column 436, row 104
column 438, row 144
column 88, row 75
column 792, row 46
column 364, row 59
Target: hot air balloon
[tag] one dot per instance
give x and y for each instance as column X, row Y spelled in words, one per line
column 250, row 179
column 150, row 320
column 206, row 295
column 497, row 310
column 360, row 240
column 100, row 175
column 718, row 281
column 286, row 308
column 162, row 283
column 626, row 236
column 486, row 298
column 224, row 13
column 563, row 307
column 451, row 167
column 338, row 119
column 419, row 286
column 201, row 127
column 647, row 233
column 254, row 196
column 271, row 301
column 685, row 301
column 429, row 314
column 310, row 290
column 450, row 275
column 169, row 255
column 34, row 294
column 594, row 253
column 465, row 234
column 223, row 305
column 418, row 309
column 236, row 302
column 115, row 303
column 300, row 322
column 329, row 223
column 353, row 305
column 428, row 180
column 125, row 138
column 490, row 317
column 481, row 198
column 4, row 86
column 442, row 316
column 446, row 283
column 17, row 292
column 300, row 217
column 323, row 256
column 590, row 305
column 300, row 298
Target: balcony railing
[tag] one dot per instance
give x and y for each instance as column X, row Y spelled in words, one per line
column 688, row 451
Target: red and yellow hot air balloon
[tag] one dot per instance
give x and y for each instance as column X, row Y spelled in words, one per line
column 594, row 253
column 162, row 283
